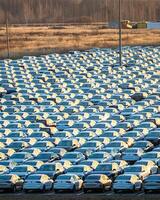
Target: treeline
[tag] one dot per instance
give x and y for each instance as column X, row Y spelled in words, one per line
column 77, row 11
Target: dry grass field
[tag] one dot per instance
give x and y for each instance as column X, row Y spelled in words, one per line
column 35, row 40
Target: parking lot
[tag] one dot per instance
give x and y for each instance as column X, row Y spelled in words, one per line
column 80, row 122
column 80, row 195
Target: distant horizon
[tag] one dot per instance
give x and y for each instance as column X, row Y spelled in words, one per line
column 77, row 11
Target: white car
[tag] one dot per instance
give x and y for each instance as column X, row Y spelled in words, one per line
column 127, row 182
column 38, row 182
column 68, row 182
column 22, row 170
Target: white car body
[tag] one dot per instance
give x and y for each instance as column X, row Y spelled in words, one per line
column 130, row 182
column 38, row 182
column 73, row 182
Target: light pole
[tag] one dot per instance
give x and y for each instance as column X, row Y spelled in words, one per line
column 7, row 30
column 120, row 35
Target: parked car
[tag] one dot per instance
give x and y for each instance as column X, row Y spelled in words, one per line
column 145, row 145
column 120, row 145
column 150, row 165
column 68, row 144
column 65, row 163
column 73, row 157
column 8, row 151
column 127, row 182
column 68, row 181
column 93, row 145
column 141, row 171
column 154, row 156
column 121, row 163
column 11, row 182
column 18, row 145
column 152, row 183
column 92, row 163
column 43, row 145
column 8, row 163
column 38, row 182
column 101, row 156
column 47, row 156
column 20, row 157
column 22, row 170
column 85, row 151
column 137, row 135
column 109, row 169
column 51, row 169
column 132, row 154
column 35, row 163
column 34, row 151
column 153, row 136
column 58, row 151
column 97, row 182
column 80, row 170
column 3, row 169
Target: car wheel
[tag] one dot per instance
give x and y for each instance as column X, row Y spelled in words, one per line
column 134, row 189
column 145, row 191
column 51, row 187
column 115, row 191
column 85, row 190
column 13, row 189
column 56, row 191
column 140, row 188
column 103, row 188
column 26, row 191
column 44, row 189
column 74, row 188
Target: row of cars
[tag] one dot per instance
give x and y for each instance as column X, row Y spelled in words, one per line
column 129, row 181
column 79, row 121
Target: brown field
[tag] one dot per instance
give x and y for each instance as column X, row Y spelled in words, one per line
column 29, row 40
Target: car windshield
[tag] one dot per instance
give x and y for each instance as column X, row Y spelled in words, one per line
column 132, row 134
column 5, row 177
column 115, row 144
column 150, row 155
column 91, row 144
column 97, row 155
column 129, row 110
column 104, row 168
column 18, row 156
column 153, row 178
column 31, row 162
column 140, row 144
column 70, row 156
column 154, row 134
column 64, row 177
column 44, row 155
column 19, row 169
column 47, row 168
column 133, row 169
column 66, row 143
column 119, row 178
column 15, row 145
column 56, row 150
column 131, row 151
column 93, row 178
column 110, row 134
column 34, row 178
column 42, row 144
column 75, row 169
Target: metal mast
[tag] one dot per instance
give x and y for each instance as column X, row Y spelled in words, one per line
column 120, row 35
